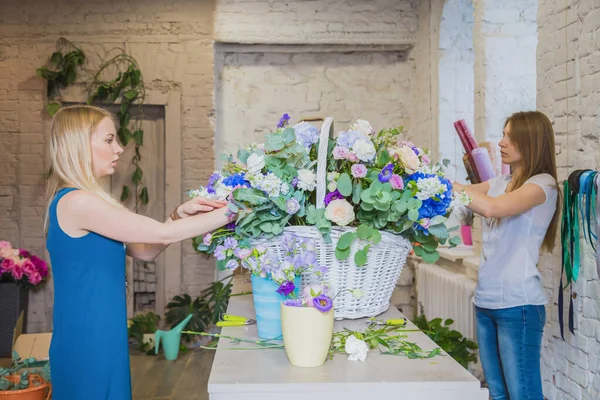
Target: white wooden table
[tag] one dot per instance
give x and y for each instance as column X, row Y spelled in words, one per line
column 266, row 374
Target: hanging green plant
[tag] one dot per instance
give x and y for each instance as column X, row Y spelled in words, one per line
column 125, row 84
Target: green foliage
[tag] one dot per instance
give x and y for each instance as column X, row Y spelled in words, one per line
column 463, row 350
column 205, row 309
column 141, row 324
column 117, row 80
column 23, row 368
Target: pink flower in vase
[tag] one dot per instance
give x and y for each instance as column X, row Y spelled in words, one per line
column 7, row 265
column 4, row 244
column 40, row 265
column 34, row 278
column 24, row 253
column 28, row 267
column 17, row 272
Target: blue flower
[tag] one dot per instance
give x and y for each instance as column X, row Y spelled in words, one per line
column 236, row 180
column 283, row 121
column 386, row 173
column 436, row 205
column 306, row 134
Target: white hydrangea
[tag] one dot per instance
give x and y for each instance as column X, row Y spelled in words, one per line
column 429, row 187
column 268, row 183
column 460, row 199
column 364, row 150
column 307, row 180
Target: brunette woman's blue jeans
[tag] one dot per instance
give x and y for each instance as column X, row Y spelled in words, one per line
column 509, row 341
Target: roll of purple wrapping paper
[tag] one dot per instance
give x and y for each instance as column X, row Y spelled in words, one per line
column 483, row 163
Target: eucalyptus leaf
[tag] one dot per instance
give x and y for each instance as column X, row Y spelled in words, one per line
column 413, row 215
column 364, row 232
column 250, row 195
column 342, row 254
column 346, row 240
column 344, row 185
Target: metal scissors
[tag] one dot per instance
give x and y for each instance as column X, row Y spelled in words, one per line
column 388, row 322
column 234, row 320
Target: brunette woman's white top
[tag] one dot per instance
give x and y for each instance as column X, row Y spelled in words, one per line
column 508, row 273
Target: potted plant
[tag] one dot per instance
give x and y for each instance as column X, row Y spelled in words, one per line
column 307, row 325
column 20, row 271
column 142, row 328
column 275, row 277
column 19, row 383
column 363, row 196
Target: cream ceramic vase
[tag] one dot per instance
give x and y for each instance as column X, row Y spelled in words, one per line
column 307, row 334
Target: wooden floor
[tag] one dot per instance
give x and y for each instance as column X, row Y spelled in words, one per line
column 153, row 377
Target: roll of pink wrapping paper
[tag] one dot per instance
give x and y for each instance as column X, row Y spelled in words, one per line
column 483, row 164
column 467, row 139
column 494, row 156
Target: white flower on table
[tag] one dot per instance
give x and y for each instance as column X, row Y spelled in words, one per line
column 357, row 349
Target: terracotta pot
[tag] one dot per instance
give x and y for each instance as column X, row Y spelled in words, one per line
column 33, row 392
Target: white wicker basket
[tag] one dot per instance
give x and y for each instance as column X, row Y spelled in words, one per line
column 376, row 279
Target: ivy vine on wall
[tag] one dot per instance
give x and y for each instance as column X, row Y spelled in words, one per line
column 68, row 64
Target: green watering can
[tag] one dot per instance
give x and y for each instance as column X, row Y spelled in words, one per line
column 171, row 339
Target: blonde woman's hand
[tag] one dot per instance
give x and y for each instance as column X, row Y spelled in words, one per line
column 199, row 205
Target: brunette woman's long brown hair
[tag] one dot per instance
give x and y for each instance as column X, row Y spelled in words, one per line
column 532, row 134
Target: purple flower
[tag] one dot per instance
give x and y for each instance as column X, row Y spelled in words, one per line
column 293, row 303
column 211, row 183
column 306, row 134
column 292, row 206
column 340, row 153
column 283, row 121
column 24, row 253
column 425, row 222
column 416, row 150
column 358, row 171
column 231, row 265
column 386, row 173
column 294, row 182
column 397, row 182
column 230, row 226
column 230, row 243
column 286, row 288
column 322, row 303
column 335, row 195
column 207, row 239
column 220, row 253
column 242, row 253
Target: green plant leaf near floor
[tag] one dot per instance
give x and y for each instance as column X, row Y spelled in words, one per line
column 142, row 324
column 205, row 309
column 462, row 349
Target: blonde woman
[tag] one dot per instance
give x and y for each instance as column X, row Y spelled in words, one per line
column 88, row 235
column 521, row 220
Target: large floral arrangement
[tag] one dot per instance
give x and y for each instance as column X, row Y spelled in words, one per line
column 20, row 266
column 376, row 181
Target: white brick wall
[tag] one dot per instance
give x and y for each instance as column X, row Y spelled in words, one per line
column 456, row 75
column 317, row 21
column 568, row 87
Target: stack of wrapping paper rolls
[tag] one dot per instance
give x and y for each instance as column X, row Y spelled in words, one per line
column 480, row 160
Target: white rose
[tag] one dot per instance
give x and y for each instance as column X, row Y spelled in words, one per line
column 340, row 212
column 409, row 159
column 364, row 150
column 356, row 348
column 255, row 163
column 307, row 180
column 331, row 186
column 363, row 126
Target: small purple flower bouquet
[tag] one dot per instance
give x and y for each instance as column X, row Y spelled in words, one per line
column 312, row 296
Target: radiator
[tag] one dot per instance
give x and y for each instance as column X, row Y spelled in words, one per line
column 446, row 294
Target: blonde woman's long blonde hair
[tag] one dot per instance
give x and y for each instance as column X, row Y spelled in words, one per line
column 71, row 153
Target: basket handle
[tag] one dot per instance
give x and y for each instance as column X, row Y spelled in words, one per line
column 326, row 130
